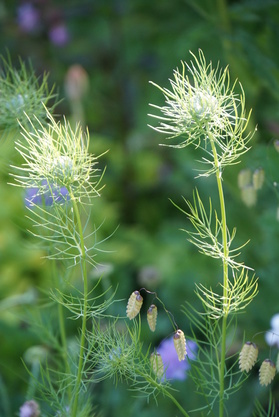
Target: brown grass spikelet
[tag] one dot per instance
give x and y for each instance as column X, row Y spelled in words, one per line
column 267, row 372
column 248, row 356
column 134, row 305
column 152, row 314
column 180, row 344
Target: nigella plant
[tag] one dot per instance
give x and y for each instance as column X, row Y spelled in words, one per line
column 60, row 178
column 202, row 108
column 21, row 93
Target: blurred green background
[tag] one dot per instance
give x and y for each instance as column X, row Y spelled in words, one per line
column 114, row 48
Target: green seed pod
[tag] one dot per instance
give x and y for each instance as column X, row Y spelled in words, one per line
column 157, row 365
column 180, row 344
column 267, row 372
column 152, row 314
column 134, row 305
column 248, row 356
column 277, row 363
column 276, row 145
column 249, row 195
column 258, row 178
column 244, row 178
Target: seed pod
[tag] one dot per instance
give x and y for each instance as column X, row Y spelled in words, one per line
column 180, row 344
column 134, row 305
column 267, row 372
column 258, row 178
column 244, row 178
column 277, row 363
column 248, row 356
column 249, row 195
column 157, row 365
column 152, row 313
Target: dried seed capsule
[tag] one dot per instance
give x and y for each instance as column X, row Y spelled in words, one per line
column 157, row 365
column 248, row 356
column 180, row 344
column 134, row 305
column 258, row 178
column 267, row 372
column 152, row 313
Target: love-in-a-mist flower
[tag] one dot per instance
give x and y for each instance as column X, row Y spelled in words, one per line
column 56, row 157
column 29, row 409
column 201, row 106
column 58, row 174
column 21, row 93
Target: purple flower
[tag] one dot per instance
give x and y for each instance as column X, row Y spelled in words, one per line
column 29, row 409
column 28, row 17
column 52, row 194
column 175, row 369
column 59, row 35
column 272, row 336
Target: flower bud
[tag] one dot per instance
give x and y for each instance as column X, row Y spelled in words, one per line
column 267, row 372
column 180, row 344
column 248, row 356
column 152, row 314
column 134, row 305
column 258, row 178
column 157, row 365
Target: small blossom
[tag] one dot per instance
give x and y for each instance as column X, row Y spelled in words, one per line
column 59, row 34
column 28, row 17
column 34, row 196
column 175, row 369
column 272, row 336
column 29, row 409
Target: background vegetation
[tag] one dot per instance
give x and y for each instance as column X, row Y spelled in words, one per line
column 121, row 45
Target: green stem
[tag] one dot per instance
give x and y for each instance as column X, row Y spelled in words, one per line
column 62, row 328
column 225, row 276
column 85, row 307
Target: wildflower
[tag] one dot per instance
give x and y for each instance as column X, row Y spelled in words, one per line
column 134, row 305
column 267, row 372
column 272, row 336
column 56, row 161
column 180, row 344
column 52, row 195
column 22, row 93
column 28, row 17
column 59, row 35
column 203, row 111
column 29, row 409
column 248, row 356
column 175, row 369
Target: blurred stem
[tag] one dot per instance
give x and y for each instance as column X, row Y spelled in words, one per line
column 225, row 275
column 61, row 320
column 85, row 307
